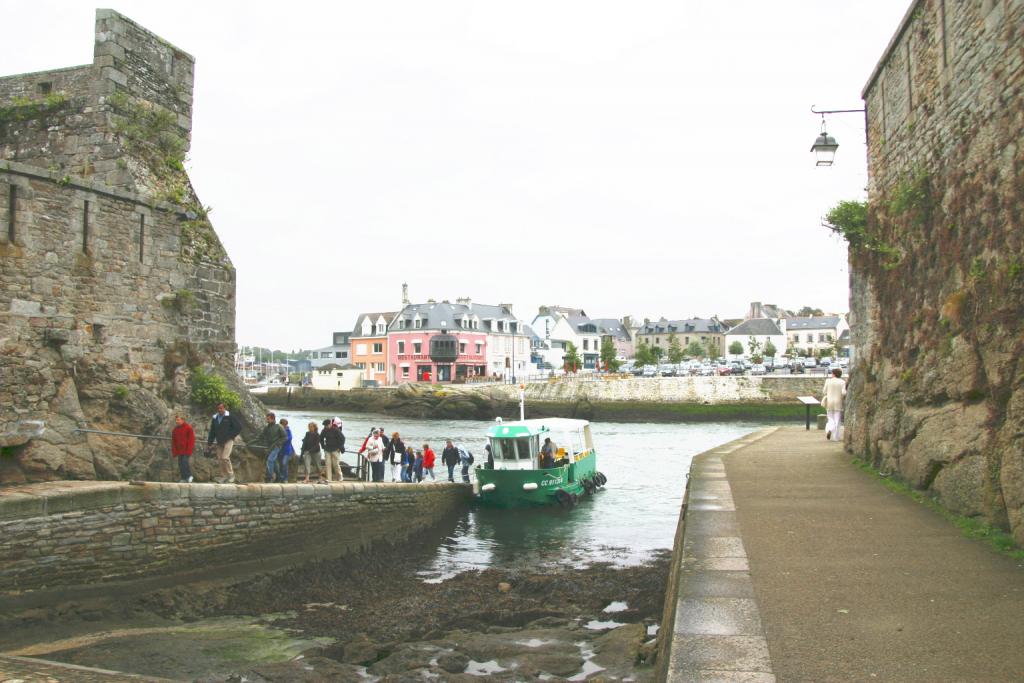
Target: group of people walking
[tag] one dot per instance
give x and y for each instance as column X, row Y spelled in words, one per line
column 319, row 454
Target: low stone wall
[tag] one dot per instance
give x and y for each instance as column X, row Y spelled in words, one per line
column 76, row 533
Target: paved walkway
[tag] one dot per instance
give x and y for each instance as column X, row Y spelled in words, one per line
column 800, row 567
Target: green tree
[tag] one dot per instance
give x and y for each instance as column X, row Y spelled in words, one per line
column 571, row 360
column 608, row 355
column 769, row 348
column 753, row 345
column 712, row 350
column 695, row 350
column 807, row 312
column 736, row 348
column 643, row 355
column 657, row 352
column 675, row 349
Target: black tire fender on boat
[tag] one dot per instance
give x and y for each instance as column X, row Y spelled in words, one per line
column 574, row 498
column 589, row 486
column 601, row 479
column 563, row 497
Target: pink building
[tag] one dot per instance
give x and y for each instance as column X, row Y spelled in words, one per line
column 437, row 342
column 420, row 355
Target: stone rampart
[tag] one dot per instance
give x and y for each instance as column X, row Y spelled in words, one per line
column 77, row 533
column 113, row 285
column 937, row 280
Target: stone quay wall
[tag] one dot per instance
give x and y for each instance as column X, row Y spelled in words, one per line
column 713, row 390
column 78, row 533
column 614, row 399
column 937, row 281
column 113, row 284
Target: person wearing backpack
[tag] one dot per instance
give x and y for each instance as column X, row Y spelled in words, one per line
column 466, row 459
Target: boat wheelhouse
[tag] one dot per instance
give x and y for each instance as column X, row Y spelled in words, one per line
column 515, row 474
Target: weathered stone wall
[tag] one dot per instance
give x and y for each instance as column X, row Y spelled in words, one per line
column 113, row 284
column 938, row 289
column 86, row 532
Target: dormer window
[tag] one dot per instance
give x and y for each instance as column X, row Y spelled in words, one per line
column 401, row 324
column 417, row 323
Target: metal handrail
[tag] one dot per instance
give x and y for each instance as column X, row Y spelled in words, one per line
column 147, row 436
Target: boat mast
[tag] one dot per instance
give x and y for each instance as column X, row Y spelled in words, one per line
column 522, row 401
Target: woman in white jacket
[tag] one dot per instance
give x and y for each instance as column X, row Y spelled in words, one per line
column 832, row 400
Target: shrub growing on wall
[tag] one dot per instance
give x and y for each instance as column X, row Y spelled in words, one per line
column 208, row 390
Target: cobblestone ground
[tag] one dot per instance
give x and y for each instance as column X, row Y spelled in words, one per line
column 27, row 670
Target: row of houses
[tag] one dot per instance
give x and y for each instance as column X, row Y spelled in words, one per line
column 465, row 341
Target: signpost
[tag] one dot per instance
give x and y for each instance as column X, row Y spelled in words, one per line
column 808, row 401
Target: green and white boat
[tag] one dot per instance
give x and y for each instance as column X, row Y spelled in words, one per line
column 516, row 477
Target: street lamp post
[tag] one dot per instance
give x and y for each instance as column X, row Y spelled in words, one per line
column 825, row 145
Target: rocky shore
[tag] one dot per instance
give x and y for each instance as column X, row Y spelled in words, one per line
column 370, row 617
column 486, row 403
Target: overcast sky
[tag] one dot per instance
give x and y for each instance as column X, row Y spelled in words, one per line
column 644, row 158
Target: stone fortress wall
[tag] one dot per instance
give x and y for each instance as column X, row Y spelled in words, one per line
column 113, row 284
column 937, row 282
column 80, row 533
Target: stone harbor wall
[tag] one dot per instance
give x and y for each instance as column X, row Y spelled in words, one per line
column 613, row 399
column 79, row 533
column 114, row 287
column 937, row 278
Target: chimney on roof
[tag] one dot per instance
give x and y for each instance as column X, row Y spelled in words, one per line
column 627, row 322
column 647, row 321
column 464, row 300
column 405, row 293
column 507, row 307
column 755, row 310
column 431, row 301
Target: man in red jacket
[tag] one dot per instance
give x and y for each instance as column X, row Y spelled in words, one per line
column 183, row 442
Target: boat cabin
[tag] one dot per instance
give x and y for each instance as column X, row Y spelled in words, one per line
column 517, row 445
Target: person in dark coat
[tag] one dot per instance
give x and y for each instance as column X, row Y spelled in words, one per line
column 311, row 451
column 408, row 459
column 224, row 428
column 333, row 441
column 394, row 454
column 450, row 457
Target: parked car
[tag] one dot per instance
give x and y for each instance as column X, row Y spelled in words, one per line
column 809, row 362
column 649, row 371
column 707, row 370
column 796, row 367
column 637, row 370
column 667, row 369
column 758, row 369
column 723, row 370
column 736, row 368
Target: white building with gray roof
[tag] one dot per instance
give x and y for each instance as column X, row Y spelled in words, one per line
column 754, row 335
column 817, row 333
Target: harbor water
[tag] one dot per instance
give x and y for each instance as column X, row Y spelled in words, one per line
column 623, row 523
